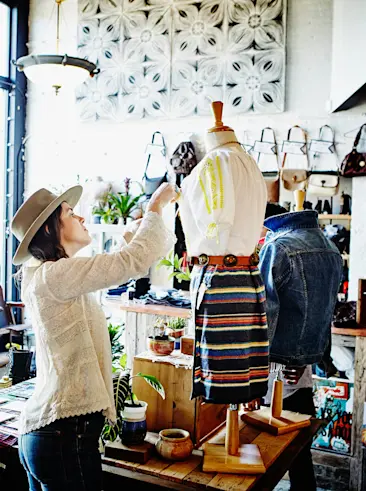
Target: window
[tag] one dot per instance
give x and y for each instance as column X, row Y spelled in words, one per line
column 13, row 39
column 4, row 39
column 4, row 96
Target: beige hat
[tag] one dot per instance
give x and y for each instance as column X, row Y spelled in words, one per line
column 32, row 215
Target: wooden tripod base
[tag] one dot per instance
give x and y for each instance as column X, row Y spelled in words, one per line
column 247, row 461
column 288, row 421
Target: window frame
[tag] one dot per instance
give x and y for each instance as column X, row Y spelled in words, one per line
column 16, row 85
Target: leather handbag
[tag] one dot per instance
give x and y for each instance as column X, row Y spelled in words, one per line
column 184, row 158
column 295, row 179
column 272, row 178
column 324, row 183
column 151, row 184
column 354, row 164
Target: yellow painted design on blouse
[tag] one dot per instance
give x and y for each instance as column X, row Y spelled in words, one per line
column 219, row 171
column 205, row 196
column 212, row 232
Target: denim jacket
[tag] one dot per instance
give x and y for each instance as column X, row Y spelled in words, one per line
column 301, row 270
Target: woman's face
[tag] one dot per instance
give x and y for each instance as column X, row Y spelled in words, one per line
column 74, row 236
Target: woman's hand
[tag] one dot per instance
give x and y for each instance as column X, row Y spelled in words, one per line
column 164, row 195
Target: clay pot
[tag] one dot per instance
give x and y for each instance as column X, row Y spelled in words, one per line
column 174, row 444
column 161, row 345
column 176, row 333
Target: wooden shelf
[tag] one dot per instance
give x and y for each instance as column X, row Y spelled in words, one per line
column 334, row 217
column 344, row 331
column 151, row 309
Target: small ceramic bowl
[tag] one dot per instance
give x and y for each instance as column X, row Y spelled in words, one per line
column 174, row 444
column 161, row 347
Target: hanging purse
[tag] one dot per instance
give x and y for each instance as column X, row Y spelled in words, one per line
column 354, row 164
column 272, row 177
column 295, row 179
column 184, row 158
column 151, row 184
column 324, row 183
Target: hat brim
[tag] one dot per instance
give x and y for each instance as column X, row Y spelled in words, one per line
column 71, row 196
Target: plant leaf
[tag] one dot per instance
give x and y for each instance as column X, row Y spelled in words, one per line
column 120, row 389
column 123, row 361
column 154, row 382
column 165, row 262
column 171, row 275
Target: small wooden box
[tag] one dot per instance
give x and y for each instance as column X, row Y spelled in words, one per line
column 177, row 410
column 187, row 345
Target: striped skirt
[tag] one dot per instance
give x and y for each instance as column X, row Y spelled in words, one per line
column 231, row 343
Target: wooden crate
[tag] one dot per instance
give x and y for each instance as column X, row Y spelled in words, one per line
column 177, row 410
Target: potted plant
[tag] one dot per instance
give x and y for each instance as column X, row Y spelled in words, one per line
column 160, row 343
column 107, row 214
column 176, row 327
column 131, row 413
column 124, row 203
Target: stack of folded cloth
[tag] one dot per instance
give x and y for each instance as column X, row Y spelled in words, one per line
column 171, row 298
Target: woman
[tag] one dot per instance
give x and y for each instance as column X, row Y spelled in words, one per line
column 62, row 421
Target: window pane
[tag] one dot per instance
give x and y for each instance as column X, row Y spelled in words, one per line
column 4, row 39
column 4, row 97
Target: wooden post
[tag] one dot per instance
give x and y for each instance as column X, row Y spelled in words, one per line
column 276, row 403
column 232, row 430
column 299, row 199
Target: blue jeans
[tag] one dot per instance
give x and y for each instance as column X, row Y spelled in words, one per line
column 64, row 455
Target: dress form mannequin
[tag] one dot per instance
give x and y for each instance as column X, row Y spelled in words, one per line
column 222, row 209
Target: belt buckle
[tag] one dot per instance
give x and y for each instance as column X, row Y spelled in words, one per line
column 230, row 260
column 203, row 259
column 254, row 259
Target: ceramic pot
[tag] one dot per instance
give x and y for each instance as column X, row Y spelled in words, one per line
column 174, row 444
column 161, row 346
column 176, row 333
column 134, row 426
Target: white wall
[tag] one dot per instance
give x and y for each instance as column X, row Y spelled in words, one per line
column 60, row 147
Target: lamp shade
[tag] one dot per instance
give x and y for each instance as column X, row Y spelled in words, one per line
column 56, row 70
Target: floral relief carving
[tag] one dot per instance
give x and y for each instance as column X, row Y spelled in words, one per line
column 171, row 58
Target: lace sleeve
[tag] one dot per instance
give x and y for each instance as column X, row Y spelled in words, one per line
column 70, row 278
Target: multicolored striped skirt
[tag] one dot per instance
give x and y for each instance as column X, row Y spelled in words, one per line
column 231, row 345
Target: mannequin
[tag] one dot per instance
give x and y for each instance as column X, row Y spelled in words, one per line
column 222, row 208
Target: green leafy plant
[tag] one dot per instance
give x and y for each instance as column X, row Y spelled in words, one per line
column 108, row 215
column 173, row 261
column 123, row 204
column 122, row 389
column 115, row 334
column 176, row 323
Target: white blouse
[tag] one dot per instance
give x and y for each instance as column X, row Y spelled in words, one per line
column 222, row 203
column 73, row 352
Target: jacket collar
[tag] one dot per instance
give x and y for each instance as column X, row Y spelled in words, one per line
column 292, row 221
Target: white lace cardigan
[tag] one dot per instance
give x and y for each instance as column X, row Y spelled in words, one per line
column 73, row 353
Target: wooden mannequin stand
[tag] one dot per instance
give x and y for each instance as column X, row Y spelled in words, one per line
column 232, row 458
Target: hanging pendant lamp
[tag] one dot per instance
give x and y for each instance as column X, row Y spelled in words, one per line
column 56, row 70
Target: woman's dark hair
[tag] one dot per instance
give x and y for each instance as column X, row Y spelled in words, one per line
column 46, row 244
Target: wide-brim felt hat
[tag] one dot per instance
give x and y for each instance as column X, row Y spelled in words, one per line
column 32, row 215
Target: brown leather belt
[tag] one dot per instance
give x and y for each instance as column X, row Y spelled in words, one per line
column 228, row 260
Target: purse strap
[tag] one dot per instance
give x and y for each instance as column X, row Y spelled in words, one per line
column 335, row 153
column 358, row 137
column 162, row 144
column 268, row 128
column 305, row 141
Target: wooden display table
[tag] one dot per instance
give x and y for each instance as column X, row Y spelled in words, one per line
column 278, row 453
column 139, row 320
